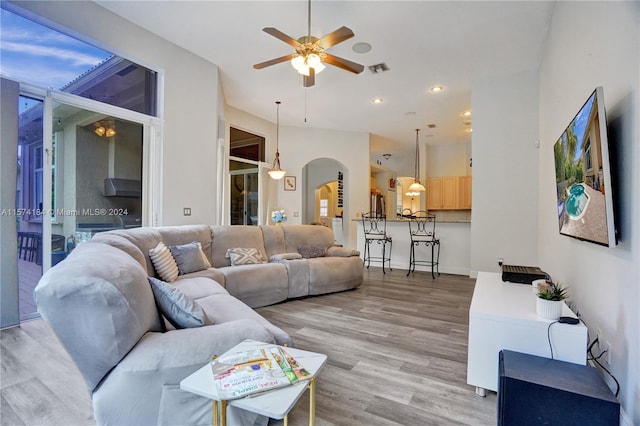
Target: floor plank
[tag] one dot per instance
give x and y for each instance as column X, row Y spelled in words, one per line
column 397, row 350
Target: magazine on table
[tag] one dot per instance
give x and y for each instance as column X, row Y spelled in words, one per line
column 240, row 374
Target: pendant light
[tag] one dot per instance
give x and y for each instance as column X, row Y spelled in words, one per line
column 416, row 185
column 276, row 172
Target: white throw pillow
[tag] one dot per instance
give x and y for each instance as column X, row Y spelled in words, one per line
column 245, row 256
column 164, row 263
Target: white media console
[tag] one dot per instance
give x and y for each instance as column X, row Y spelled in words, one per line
column 503, row 316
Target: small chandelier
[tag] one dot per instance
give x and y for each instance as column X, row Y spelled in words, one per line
column 416, row 185
column 276, row 172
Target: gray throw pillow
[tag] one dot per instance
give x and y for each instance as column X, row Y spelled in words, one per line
column 189, row 257
column 309, row 252
column 176, row 306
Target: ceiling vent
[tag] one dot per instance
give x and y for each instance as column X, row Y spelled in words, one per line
column 378, row 68
column 431, row 126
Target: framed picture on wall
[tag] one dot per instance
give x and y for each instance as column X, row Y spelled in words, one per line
column 289, row 183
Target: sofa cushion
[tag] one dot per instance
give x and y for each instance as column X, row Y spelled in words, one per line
column 330, row 274
column 309, row 252
column 337, row 251
column 257, row 285
column 245, row 256
column 178, row 308
column 189, row 257
column 183, row 234
column 223, row 308
column 163, row 262
column 225, row 237
column 285, row 256
column 198, row 287
column 214, row 274
column 99, row 304
column 306, row 235
column 273, row 238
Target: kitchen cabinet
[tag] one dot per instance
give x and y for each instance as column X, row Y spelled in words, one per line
column 464, row 192
column 449, row 193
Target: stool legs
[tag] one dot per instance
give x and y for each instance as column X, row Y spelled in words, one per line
column 385, row 258
column 435, row 257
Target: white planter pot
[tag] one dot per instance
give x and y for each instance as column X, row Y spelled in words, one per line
column 548, row 309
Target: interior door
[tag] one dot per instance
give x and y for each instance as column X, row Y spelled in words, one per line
column 244, row 193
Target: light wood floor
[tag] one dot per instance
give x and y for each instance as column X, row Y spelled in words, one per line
column 397, row 351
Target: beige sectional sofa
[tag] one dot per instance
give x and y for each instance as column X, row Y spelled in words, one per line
column 101, row 306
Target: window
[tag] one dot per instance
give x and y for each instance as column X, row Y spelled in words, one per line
column 587, row 154
column 36, row 180
column 324, row 207
column 44, row 57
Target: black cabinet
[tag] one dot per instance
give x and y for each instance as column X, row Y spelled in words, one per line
column 533, row 390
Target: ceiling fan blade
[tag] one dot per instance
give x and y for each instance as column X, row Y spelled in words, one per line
column 281, row 36
column 345, row 64
column 338, row 36
column 274, row 61
column 310, row 80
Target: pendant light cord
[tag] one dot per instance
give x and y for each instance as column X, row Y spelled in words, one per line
column 277, row 128
column 416, row 170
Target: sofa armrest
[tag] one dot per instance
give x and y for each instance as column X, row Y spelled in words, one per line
column 144, row 387
column 285, row 256
column 335, row 251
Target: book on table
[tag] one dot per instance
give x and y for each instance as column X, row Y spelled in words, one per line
column 245, row 373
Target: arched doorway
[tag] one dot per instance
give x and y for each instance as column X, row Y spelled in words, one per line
column 325, row 197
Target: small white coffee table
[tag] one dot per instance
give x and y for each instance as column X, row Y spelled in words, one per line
column 275, row 404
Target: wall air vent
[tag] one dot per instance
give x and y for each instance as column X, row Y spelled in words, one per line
column 378, row 68
column 431, row 126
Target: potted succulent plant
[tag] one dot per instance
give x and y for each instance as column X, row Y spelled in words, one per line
column 549, row 300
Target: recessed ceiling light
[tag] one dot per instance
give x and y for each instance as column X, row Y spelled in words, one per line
column 467, row 113
column 361, row 47
column 469, row 130
column 377, row 100
column 436, row 89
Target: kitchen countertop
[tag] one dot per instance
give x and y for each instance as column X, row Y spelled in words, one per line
column 407, row 220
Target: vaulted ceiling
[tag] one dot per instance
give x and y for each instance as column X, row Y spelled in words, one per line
column 423, row 43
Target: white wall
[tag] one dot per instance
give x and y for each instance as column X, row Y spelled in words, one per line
column 448, row 160
column 597, row 44
column 9, row 314
column 190, row 100
column 299, row 146
column 505, row 167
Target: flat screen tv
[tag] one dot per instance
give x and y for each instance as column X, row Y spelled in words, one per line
column 583, row 176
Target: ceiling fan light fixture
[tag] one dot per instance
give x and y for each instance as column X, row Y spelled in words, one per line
column 319, row 68
column 314, row 60
column 298, row 62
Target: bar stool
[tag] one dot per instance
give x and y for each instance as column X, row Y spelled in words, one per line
column 375, row 230
column 422, row 230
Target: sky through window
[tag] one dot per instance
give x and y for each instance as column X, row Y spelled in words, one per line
column 33, row 53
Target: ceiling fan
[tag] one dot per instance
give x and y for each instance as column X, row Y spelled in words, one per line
column 310, row 54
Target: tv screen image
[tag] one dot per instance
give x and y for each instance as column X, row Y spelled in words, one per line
column 583, row 177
